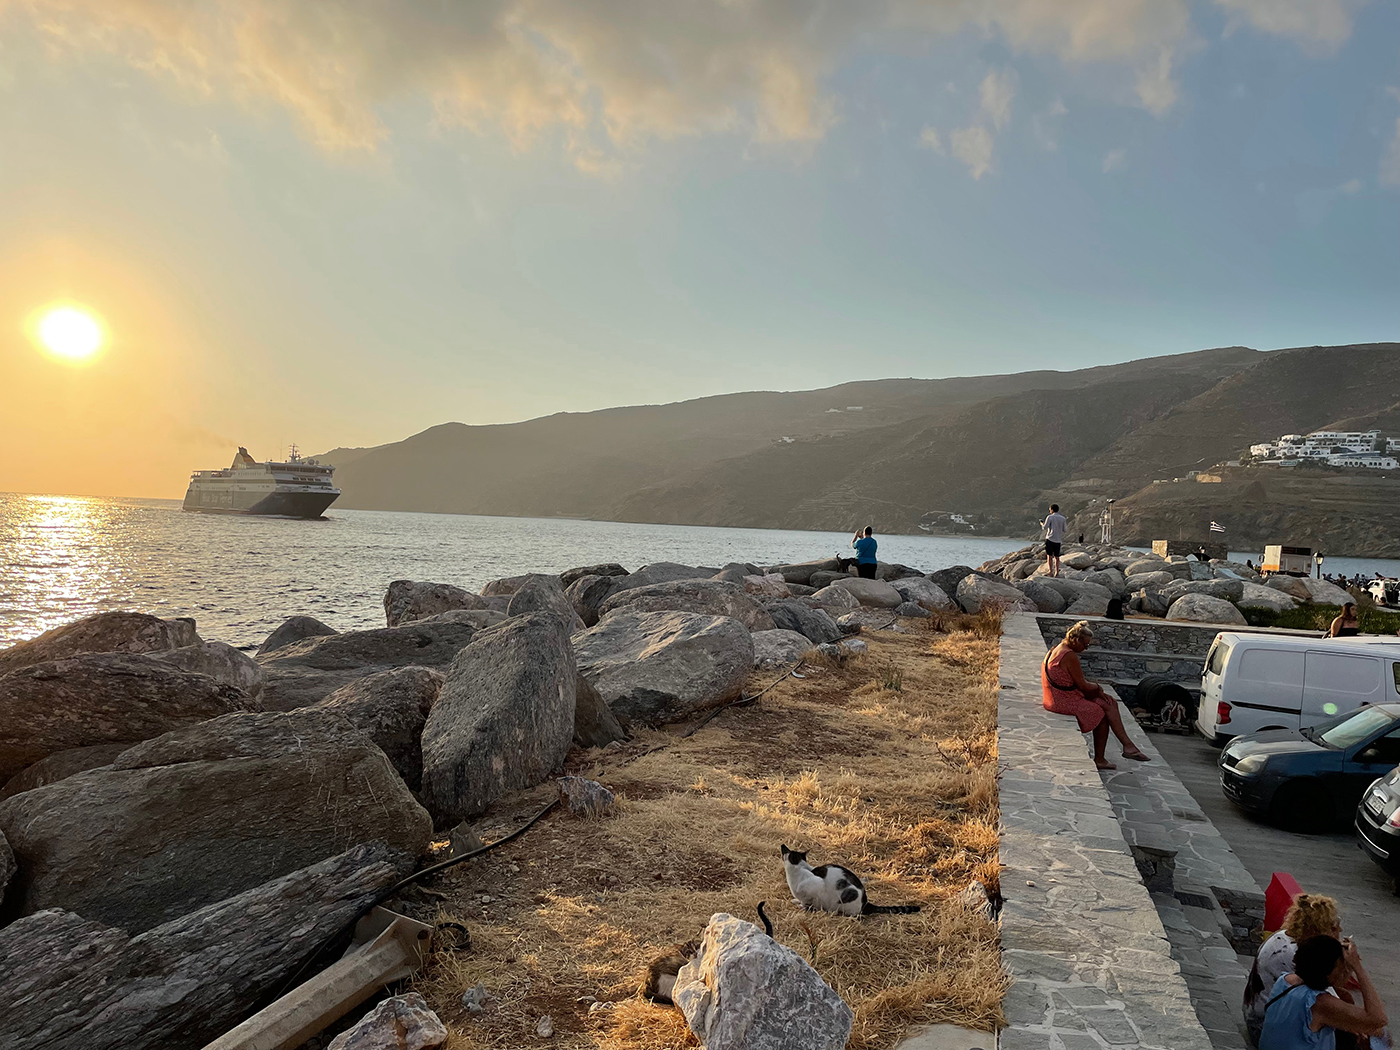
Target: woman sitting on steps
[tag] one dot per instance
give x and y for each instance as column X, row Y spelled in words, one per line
column 1068, row 692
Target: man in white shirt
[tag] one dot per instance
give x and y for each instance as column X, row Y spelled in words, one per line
column 1054, row 525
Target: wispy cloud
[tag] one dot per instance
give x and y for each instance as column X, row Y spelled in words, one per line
column 929, row 139
column 973, row 146
column 997, row 91
column 1115, row 160
column 1390, row 162
column 1319, row 25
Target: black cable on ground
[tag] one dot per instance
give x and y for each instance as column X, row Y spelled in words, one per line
column 743, row 701
column 384, row 895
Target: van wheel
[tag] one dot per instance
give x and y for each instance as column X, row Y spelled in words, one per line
column 1301, row 806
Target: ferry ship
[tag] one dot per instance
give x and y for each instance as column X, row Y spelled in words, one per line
column 298, row 488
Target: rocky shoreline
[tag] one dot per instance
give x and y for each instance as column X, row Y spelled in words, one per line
column 181, row 823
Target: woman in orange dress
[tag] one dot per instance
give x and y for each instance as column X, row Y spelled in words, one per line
column 1068, row 692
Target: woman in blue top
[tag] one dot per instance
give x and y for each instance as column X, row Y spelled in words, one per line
column 865, row 545
column 1303, row 1013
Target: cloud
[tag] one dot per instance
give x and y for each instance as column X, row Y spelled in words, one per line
column 1115, row 160
column 1321, row 26
column 600, row 77
column 1351, row 187
column 928, row 139
column 973, row 146
column 1390, row 162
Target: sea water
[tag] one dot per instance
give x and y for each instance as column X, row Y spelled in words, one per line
column 63, row 557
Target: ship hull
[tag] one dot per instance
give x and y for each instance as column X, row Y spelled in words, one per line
column 267, row 504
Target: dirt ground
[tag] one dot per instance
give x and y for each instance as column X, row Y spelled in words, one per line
column 886, row 765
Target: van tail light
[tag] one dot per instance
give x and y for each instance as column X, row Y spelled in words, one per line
column 1222, row 713
column 1394, row 821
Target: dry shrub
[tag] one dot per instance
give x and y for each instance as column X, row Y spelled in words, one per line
column 897, row 784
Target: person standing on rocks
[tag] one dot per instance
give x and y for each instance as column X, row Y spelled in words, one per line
column 1054, row 526
column 865, row 545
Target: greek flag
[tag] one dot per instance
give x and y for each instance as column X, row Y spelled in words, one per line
column 1215, row 526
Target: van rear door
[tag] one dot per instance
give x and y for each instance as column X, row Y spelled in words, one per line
column 1268, row 684
column 1334, row 683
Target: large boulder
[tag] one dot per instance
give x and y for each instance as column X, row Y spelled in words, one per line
column 1324, row 593
column 294, row 629
column 7, row 866
column 745, row 991
column 1073, row 590
column 504, row 587
column 1087, row 605
column 60, row 765
column 409, row 600
column 108, row 632
column 221, row 662
column 1110, row 580
column 68, row 982
column 1257, row 596
column 662, row 572
column 594, row 723
column 922, row 591
column 478, row 619
column 801, row 572
column 203, row 813
column 587, row 595
column 947, row 580
column 815, row 624
column 1202, row 608
column 1046, row 599
column 663, row 666
column 875, row 593
column 835, row 599
column 766, row 587
column 390, row 708
column 707, row 597
column 611, row 568
column 1293, row 586
column 1229, row 590
column 542, row 593
column 825, row 578
column 779, row 648
column 504, row 719
column 893, row 570
column 1150, row 602
column 1077, row 560
column 976, row 593
column 1158, row 579
column 102, row 698
column 312, row 669
column 1146, row 564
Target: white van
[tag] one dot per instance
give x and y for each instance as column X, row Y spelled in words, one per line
column 1262, row 681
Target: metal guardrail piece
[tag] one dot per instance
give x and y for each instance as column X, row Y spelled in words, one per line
column 386, row 947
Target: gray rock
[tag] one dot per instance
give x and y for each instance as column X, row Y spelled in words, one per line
column 611, row 568
column 7, row 867
column 1138, row 580
column 745, row 991
column 826, row 577
column 766, row 588
column 408, row 600
column 391, row 708
column 584, row 797
column 71, row 983
column 463, row 839
column 947, row 580
column 1072, row 590
column 891, row 571
column 108, row 632
column 1292, row 586
column 858, row 620
column 663, row 572
column 497, row 602
column 204, row 813
column 659, row 667
column 101, row 698
column 734, row 572
column 1110, row 579
column 816, row 624
column 1323, row 593
column 505, row 587
column 835, row 599
column 840, row 651
column 1257, row 596
column 504, row 719
column 1046, row 599
column 478, row 619
column 221, row 662
column 60, row 765
column 1142, row 565
column 312, row 669
column 1077, row 560
column 403, row 1022
column 594, row 723
column 913, row 610
column 1020, row 570
column 801, row 572
column 923, row 591
column 587, row 595
column 779, row 648
column 1087, row 605
column 294, row 629
column 1200, row 570
column 800, row 590
column 542, row 593
column 975, row 593
column 705, row 597
column 1153, row 603
column 1202, row 608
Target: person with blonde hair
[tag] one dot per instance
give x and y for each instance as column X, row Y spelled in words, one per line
column 1310, row 915
column 1067, row 692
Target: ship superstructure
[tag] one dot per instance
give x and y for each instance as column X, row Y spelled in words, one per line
column 297, row 488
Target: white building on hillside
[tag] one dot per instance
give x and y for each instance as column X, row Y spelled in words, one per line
column 1338, row 448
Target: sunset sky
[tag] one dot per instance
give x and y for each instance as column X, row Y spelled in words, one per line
column 340, row 223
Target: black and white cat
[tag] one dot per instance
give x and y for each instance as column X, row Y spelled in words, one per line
column 832, row 888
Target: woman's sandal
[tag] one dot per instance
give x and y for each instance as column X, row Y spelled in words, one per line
column 1103, row 763
column 1136, row 755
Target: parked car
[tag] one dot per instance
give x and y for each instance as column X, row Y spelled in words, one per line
column 1254, row 682
column 1312, row 777
column 1378, row 823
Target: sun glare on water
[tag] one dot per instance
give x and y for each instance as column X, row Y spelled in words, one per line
column 69, row 333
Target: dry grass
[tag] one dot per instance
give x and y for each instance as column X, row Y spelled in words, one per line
column 897, row 783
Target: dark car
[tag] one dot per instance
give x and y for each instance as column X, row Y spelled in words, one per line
column 1313, row 777
column 1378, row 823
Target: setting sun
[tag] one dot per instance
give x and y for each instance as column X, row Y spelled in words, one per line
column 69, row 333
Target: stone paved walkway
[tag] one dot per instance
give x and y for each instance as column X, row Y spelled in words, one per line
column 1091, row 963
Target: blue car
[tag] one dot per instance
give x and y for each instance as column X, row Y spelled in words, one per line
column 1312, row 778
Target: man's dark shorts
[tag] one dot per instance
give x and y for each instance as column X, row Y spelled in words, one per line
column 866, row 570
column 1052, row 549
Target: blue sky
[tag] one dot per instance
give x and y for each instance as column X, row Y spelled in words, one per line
column 339, row 223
